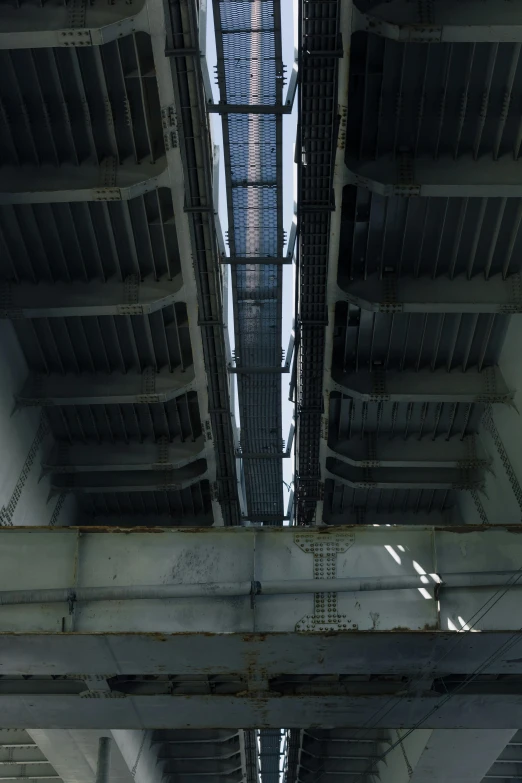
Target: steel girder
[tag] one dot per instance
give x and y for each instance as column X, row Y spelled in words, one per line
column 69, row 300
column 104, row 389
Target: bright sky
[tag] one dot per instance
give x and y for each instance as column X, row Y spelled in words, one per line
column 289, row 36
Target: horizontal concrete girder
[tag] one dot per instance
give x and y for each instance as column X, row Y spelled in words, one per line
column 103, row 457
column 124, row 480
column 424, row 385
column 446, row 177
column 403, row 478
column 204, row 569
column 49, row 25
column 257, row 709
column 471, row 21
column 383, row 451
column 389, row 633
column 104, row 389
column 69, row 300
column 442, row 295
column 52, row 184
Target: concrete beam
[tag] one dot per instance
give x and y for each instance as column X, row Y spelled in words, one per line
column 51, row 184
column 445, row 176
column 158, row 480
column 423, row 386
column 257, row 709
column 469, row 21
column 426, row 556
column 363, row 516
column 402, row 478
column 426, row 295
column 102, row 457
column 70, row 300
column 104, row 389
column 386, row 452
column 390, row 633
column 51, row 24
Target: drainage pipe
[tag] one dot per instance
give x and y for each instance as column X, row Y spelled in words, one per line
column 272, row 587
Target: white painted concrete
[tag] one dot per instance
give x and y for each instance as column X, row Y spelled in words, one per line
column 73, row 754
column 462, row 756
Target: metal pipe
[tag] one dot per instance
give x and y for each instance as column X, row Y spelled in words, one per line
column 273, row 587
column 104, row 760
column 373, row 583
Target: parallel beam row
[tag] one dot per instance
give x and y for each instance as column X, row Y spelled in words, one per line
column 136, row 467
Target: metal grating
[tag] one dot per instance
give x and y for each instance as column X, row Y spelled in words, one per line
column 250, row 73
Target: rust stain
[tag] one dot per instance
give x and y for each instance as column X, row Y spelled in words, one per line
column 478, row 529
column 254, row 637
column 285, row 531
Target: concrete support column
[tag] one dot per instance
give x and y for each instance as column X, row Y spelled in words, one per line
column 139, row 755
column 397, row 765
column 458, row 756
column 73, row 754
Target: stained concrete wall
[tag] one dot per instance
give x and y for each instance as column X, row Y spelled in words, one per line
column 24, row 438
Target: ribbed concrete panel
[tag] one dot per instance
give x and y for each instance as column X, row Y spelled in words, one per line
column 420, row 227
column 97, row 258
